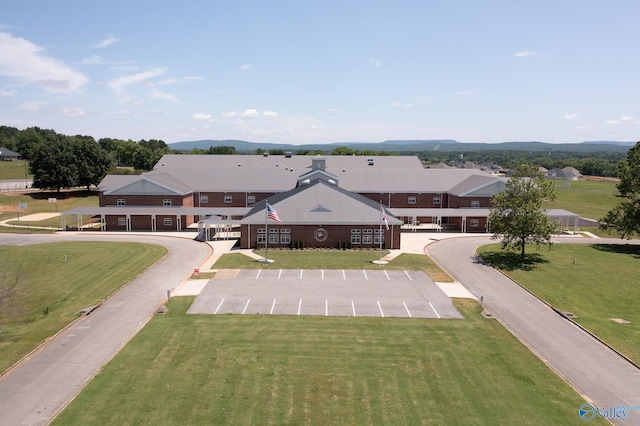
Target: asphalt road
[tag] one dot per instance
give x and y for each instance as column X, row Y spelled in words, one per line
column 601, row 375
column 33, row 393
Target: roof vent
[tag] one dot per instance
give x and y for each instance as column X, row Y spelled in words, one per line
column 332, row 182
column 306, row 182
column 239, row 165
column 370, row 161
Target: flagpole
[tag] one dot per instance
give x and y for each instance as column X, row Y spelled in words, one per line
column 266, row 230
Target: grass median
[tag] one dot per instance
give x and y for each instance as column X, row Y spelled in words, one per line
column 597, row 283
column 259, row 369
column 54, row 281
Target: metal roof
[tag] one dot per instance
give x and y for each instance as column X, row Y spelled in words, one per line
column 148, row 210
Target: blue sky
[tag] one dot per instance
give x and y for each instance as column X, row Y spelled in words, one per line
column 323, row 71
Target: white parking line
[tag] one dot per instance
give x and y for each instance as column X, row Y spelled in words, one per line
column 246, row 306
column 322, row 273
column 216, row 311
column 299, row 306
column 385, row 272
column 344, row 276
column 434, row 310
column 273, row 306
column 407, row 309
column 279, row 273
column 326, row 308
column 301, row 273
column 365, row 274
column 259, row 270
column 353, row 307
column 380, row 307
column 408, row 276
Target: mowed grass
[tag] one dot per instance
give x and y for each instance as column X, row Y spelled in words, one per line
column 279, row 370
column 603, row 283
column 587, row 198
column 53, row 289
column 14, row 169
column 332, row 259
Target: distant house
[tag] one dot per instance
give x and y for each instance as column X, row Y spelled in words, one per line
column 567, row 173
column 6, row 155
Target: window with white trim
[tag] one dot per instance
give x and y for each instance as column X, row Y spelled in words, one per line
column 204, row 198
column 251, row 199
column 168, row 221
column 121, row 202
column 228, row 199
column 411, row 199
column 285, row 231
column 355, row 238
column 122, row 221
column 274, row 238
column 285, row 238
column 262, row 238
column 378, row 239
column 367, row 239
column 166, row 202
column 262, row 231
column 474, row 223
column 475, row 204
column 436, row 200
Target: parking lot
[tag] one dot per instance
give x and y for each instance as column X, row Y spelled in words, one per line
column 354, row 293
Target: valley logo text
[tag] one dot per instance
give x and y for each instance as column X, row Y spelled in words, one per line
column 589, row 412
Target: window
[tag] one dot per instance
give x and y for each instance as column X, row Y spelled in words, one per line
column 436, row 200
column 378, row 239
column 168, row 221
column 285, row 238
column 355, row 238
column 228, row 199
column 474, row 223
column 261, row 231
column 475, row 204
column 166, row 202
column 355, row 231
column 411, row 199
column 285, row 231
column 204, row 199
column 262, row 238
column 120, row 202
column 273, row 230
column 274, row 238
column 122, row 221
column 251, row 199
column 367, row 238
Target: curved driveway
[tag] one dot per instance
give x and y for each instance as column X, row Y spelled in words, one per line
column 33, row 392
column 598, row 373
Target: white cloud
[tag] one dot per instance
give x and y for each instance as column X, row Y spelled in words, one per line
column 92, row 60
column 229, row 114
column 32, row 105
column 108, row 41
column 120, row 83
column 23, row 60
column 396, row 104
column 246, row 67
column 524, row 53
column 74, row 111
column 621, row 120
column 250, row 113
column 157, row 94
column 571, row 116
column 270, row 114
column 613, row 122
column 202, row 116
column 375, row 63
column 626, row 118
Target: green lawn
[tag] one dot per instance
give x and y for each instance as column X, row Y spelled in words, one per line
column 590, row 199
column 332, row 259
column 14, row 170
column 279, row 370
column 603, row 283
column 53, row 289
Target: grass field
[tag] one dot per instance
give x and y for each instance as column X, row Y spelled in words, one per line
column 590, row 199
column 241, row 370
column 14, row 170
column 54, row 289
column 603, row 283
column 333, row 259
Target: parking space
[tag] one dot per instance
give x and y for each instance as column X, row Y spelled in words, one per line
column 354, row 293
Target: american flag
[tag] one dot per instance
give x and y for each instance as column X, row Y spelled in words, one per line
column 273, row 214
column 384, row 218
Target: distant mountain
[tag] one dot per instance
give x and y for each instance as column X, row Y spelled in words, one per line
column 413, row 146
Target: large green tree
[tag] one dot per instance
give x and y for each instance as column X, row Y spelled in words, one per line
column 625, row 217
column 518, row 217
column 91, row 160
column 53, row 163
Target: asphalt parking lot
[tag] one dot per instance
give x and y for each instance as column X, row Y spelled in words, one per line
column 353, row 293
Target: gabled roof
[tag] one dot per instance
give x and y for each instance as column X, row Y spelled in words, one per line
column 476, row 184
column 7, row 153
column 160, row 184
column 301, row 206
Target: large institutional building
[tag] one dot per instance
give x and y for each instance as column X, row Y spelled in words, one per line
column 321, row 201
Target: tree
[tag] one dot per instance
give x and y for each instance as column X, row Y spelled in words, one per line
column 91, row 160
column 53, row 164
column 625, row 217
column 517, row 216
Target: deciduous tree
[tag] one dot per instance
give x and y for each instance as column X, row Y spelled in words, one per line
column 518, row 217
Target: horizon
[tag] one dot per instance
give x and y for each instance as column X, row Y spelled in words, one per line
column 307, row 73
